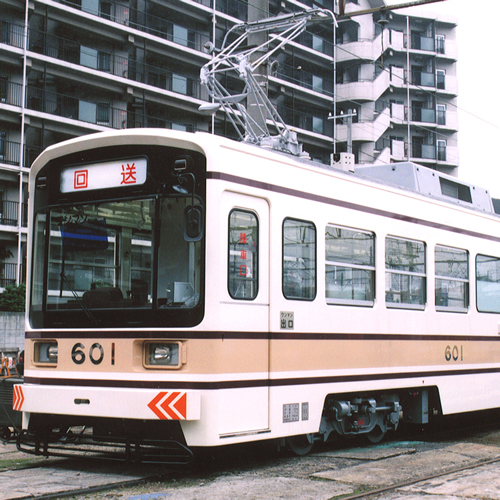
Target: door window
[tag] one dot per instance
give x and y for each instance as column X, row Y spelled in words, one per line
column 243, row 282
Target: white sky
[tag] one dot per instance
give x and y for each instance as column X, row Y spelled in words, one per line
column 478, row 84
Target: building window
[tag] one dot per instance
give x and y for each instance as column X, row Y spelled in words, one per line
column 452, row 279
column 488, row 283
column 90, row 6
column 441, row 79
column 441, row 114
column 317, row 83
column 179, row 84
column 441, row 150
column 102, row 113
column 104, row 61
column 4, row 32
column 105, row 10
column 87, row 112
column 179, row 126
column 440, row 41
column 405, row 273
column 3, row 89
column 299, row 259
column 180, row 35
column 350, row 266
column 317, row 125
column 243, row 272
column 317, row 43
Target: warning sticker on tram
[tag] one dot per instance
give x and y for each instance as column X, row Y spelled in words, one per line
column 119, row 173
column 17, row 398
column 169, row 405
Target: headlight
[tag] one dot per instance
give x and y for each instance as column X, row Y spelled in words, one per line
column 46, row 352
column 162, row 354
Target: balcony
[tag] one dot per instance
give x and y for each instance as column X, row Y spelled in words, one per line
column 419, row 42
column 317, row 43
column 112, row 64
column 440, row 45
column 423, row 79
column 142, row 20
column 96, row 113
column 310, row 81
column 239, row 9
column 432, row 152
column 11, row 93
column 10, row 153
column 8, row 274
column 233, row 8
column 397, row 148
column 364, row 90
column 368, row 49
column 420, row 152
column 424, row 151
column 369, row 128
column 423, row 115
column 11, row 34
column 306, row 121
column 9, row 214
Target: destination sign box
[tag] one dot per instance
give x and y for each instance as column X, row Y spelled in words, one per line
column 111, row 174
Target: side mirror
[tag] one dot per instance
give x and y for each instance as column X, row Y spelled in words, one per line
column 193, row 223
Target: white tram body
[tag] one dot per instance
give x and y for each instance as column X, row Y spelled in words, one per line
column 189, row 288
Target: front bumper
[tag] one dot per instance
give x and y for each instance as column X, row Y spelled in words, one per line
column 108, row 402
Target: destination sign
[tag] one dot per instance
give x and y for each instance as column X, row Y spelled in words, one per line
column 111, row 174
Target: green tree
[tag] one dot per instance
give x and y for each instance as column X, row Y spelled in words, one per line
column 13, row 298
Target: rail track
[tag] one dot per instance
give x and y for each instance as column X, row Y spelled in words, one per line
column 25, row 476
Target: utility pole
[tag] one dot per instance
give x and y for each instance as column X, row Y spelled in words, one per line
column 350, row 113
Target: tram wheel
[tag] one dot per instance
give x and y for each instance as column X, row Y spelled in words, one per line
column 300, row 445
column 375, row 435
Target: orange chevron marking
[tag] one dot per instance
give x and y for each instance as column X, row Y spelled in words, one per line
column 169, row 405
column 18, row 398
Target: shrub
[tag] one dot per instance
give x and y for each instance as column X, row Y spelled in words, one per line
column 13, row 298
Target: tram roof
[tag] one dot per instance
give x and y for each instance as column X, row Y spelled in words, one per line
column 429, row 182
column 404, row 175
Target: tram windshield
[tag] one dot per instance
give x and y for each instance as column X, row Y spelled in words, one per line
column 123, row 254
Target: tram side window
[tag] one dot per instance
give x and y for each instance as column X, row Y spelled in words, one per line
column 243, row 273
column 488, row 283
column 299, row 259
column 452, row 279
column 405, row 273
column 350, row 266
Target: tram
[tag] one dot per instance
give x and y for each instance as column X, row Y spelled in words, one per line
column 186, row 290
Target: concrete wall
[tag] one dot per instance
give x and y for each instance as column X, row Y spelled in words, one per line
column 11, row 330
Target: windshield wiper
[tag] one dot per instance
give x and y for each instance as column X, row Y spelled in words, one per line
column 85, row 309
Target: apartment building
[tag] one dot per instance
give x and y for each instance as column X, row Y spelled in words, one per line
column 74, row 67
column 396, row 72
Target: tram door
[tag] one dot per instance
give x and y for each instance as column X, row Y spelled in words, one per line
column 245, row 310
